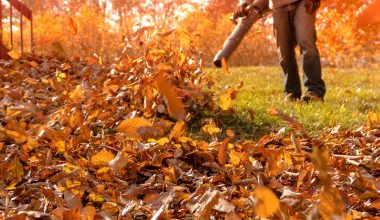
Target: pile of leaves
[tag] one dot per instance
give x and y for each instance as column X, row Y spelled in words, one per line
column 85, row 140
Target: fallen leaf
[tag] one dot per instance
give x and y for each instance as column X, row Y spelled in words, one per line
column 267, row 202
column 102, row 158
column 131, row 127
column 293, row 123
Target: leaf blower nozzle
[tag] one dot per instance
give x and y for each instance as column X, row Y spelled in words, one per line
column 256, row 11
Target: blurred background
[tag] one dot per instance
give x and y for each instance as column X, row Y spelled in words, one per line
column 78, row 29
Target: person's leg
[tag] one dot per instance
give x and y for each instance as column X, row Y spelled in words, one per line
column 285, row 37
column 307, row 37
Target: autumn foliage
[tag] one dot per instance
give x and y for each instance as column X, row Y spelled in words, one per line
column 99, row 129
column 80, row 140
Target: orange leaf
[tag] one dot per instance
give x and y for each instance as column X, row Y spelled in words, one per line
column 132, row 127
column 102, row 158
column 267, row 202
column 77, row 95
column 178, row 130
column 176, row 108
column 222, row 152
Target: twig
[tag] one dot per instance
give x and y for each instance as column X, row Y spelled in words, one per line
column 351, row 157
column 244, row 182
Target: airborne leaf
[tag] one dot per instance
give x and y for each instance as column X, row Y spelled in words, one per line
column 176, row 108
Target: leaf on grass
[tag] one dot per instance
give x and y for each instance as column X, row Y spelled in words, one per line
column 267, row 202
column 210, row 129
column 132, row 127
column 373, row 118
column 102, row 158
column 175, row 105
column 230, row 133
column 293, row 123
column 225, row 100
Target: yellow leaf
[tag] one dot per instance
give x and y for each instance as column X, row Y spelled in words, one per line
column 132, row 127
column 267, row 202
column 210, row 130
column 102, row 158
column 95, row 198
column 60, row 146
column 225, row 102
column 373, row 118
column 163, row 141
column 77, row 95
column 14, row 54
column 237, row 157
column 103, row 170
column 33, row 159
column 178, row 130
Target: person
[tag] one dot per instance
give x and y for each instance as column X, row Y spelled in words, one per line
column 294, row 24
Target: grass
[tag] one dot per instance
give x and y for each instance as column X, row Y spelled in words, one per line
column 351, row 95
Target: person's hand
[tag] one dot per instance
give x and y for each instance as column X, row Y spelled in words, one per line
column 312, row 5
column 241, row 11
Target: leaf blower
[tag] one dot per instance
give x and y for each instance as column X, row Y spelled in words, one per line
column 255, row 11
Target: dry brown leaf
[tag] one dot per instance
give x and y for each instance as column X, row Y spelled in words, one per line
column 293, row 123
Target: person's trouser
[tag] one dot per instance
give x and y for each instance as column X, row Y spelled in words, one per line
column 293, row 25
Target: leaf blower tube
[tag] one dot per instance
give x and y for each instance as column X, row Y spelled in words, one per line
column 256, row 10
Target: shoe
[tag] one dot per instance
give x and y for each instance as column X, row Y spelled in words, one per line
column 292, row 97
column 311, row 96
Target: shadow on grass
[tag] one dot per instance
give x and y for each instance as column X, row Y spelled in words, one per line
column 245, row 125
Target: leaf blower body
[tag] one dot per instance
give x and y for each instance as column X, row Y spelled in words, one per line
column 256, row 10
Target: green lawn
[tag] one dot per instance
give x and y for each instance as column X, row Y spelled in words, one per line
column 351, row 95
